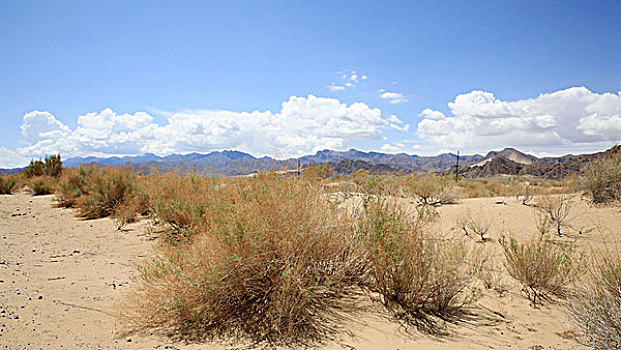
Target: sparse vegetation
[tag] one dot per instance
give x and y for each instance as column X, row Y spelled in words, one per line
column 431, row 190
column 50, row 166
column 544, row 268
column 271, row 263
column 553, row 212
column 420, row 279
column 477, row 225
column 596, row 308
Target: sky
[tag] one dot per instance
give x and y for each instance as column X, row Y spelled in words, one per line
column 286, row 78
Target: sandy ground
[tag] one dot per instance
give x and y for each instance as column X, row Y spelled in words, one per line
column 62, row 279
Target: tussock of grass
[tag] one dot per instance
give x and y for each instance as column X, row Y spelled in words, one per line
column 596, row 308
column 419, row 279
column 601, row 178
column 543, row 267
column 271, row 263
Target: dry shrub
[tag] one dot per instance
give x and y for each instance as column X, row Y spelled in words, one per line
column 601, row 178
column 553, row 211
column 272, row 263
column 478, row 225
column 72, row 185
column 109, row 189
column 543, row 267
column 7, row 184
column 181, row 201
column 419, row 279
column 42, row 185
column 596, row 308
column 431, row 189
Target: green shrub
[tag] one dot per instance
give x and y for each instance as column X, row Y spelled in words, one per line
column 108, row 190
column 73, row 184
column 50, row 166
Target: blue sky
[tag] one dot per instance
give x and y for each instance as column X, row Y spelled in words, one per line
column 121, row 77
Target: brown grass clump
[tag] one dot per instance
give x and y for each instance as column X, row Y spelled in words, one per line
column 419, row 279
column 182, row 201
column 596, row 308
column 553, row 211
column 601, row 178
column 108, row 190
column 544, row 268
column 272, row 263
column 7, row 184
column 42, row 185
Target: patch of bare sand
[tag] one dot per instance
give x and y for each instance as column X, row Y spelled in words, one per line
column 61, row 279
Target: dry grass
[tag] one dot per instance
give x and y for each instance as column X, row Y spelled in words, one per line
column 272, row 263
column 419, row 279
column 42, row 185
column 72, row 185
column 7, row 184
column 475, row 225
column 596, row 308
column 553, row 211
column 431, row 189
column 543, row 267
column 601, row 179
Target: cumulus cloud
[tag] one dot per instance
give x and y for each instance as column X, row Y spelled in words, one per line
column 303, row 124
column 404, row 128
column 480, row 121
column 390, row 149
column 394, row 97
column 11, row 159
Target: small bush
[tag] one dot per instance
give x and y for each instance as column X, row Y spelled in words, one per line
column 596, row 308
column 601, row 178
column 7, row 184
column 431, row 190
column 108, row 189
column 544, row 268
column 477, row 225
column 271, row 263
column 420, row 279
column 42, row 185
column 553, row 211
column 73, row 184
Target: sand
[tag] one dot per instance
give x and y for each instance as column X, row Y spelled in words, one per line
column 62, row 280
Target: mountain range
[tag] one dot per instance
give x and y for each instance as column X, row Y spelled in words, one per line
column 508, row 161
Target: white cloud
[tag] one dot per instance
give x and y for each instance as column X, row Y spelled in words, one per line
column 394, row 97
column 390, row 149
column 404, row 128
column 335, row 87
column 480, row 121
column 347, row 78
column 303, row 124
column 11, row 159
column 393, row 118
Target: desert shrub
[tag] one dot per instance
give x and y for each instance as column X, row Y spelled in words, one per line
column 109, row 189
column 42, row 185
column 471, row 224
column 431, row 189
column 7, row 184
column 72, row 185
column 317, row 172
column 272, row 263
column 544, row 268
column 601, row 178
column 419, row 279
column 596, row 308
column 180, row 201
column 553, row 211
column 50, row 166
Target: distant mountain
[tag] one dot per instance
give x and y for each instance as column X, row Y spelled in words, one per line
column 513, row 162
column 508, row 161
